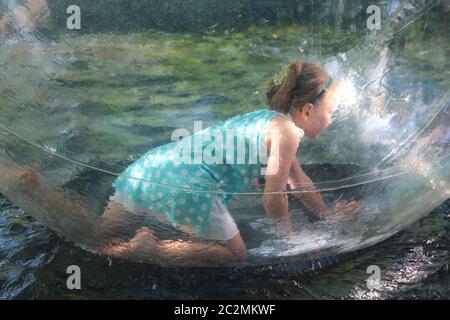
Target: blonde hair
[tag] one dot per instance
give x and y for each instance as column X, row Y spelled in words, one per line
column 299, row 84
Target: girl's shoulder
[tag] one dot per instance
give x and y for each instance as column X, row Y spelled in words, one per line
column 285, row 131
column 284, row 123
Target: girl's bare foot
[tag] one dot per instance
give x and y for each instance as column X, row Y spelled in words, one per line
column 144, row 240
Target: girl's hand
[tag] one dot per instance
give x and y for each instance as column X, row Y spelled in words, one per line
column 349, row 208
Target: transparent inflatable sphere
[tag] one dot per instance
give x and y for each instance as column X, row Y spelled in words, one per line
column 118, row 140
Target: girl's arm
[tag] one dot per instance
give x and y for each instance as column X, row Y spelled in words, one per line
column 299, row 180
column 313, row 200
column 283, row 147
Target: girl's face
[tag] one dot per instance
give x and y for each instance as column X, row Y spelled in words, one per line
column 314, row 119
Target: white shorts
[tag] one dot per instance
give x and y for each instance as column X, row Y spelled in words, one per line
column 221, row 225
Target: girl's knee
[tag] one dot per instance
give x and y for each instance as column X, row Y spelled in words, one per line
column 240, row 256
column 238, row 248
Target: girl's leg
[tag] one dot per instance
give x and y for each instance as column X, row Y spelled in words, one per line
column 221, row 226
column 121, row 221
column 144, row 247
column 58, row 210
column 207, row 253
column 238, row 248
column 200, row 252
column 23, row 186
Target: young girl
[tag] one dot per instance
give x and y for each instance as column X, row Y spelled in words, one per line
column 194, row 196
column 302, row 100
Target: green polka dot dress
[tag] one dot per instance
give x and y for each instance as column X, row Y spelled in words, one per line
column 182, row 190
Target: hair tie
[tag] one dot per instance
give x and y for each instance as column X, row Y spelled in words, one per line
column 278, row 79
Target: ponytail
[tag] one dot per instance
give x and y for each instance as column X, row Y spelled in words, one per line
column 295, row 86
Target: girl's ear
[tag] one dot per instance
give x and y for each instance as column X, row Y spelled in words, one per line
column 306, row 110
